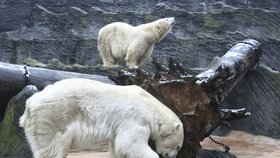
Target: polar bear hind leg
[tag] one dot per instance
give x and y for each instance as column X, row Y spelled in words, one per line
column 106, row 53
column 107, row 58
column 58, row 148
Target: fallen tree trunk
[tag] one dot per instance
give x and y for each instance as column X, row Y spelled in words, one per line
column 196, row 99
column 14, row 78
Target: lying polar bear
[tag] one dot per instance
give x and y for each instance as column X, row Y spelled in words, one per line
column 77, row 114
column 134, row 44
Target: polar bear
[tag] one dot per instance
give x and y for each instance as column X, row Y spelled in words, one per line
column 121, row 41
column 77, row 114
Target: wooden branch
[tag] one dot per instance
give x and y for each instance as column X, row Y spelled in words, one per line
column 234, row 114
column 227, row 115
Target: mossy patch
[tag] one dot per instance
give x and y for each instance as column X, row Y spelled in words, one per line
column 10, row 137
column 85, row 22
column 148, row 17
column 210, row 22
column 55, row 64
column 273, row 78
column 33, row 62
column 276, row 83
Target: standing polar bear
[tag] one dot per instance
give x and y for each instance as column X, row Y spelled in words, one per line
column 118, row 41
column 77, row 114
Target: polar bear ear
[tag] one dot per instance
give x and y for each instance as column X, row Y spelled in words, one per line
column 176, row 125
column 166, row 129
column 158, row 25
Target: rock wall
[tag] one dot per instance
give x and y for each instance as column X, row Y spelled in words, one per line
column 67, row 30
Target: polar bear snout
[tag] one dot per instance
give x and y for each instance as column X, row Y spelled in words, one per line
column 171, row 20
column 172, row 154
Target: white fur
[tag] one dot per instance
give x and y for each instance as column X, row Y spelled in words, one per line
column 77, row 114
column 121, row 41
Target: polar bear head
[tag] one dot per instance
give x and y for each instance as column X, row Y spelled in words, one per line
column 158, row 29
column 170, row 139
column 164, row 26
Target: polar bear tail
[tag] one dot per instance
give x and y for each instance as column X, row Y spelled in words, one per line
column 24, row 118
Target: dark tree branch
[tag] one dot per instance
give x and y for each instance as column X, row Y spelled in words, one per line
column 234, row 114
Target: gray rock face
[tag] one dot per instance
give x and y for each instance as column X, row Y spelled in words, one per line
column 67, row 30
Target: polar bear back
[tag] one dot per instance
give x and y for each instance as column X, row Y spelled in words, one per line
column 74, row 99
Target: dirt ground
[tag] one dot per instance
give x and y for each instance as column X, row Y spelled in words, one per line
column 89, row 155
column 245, row 145
column 242, row 144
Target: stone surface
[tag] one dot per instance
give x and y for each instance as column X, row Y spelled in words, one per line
column 67, row 30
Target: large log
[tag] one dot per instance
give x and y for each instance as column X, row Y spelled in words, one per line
column 225, row 72
column 13, row 80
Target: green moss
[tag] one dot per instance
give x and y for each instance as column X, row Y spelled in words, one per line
column 85, row 22
column 33, row 62
column 275, row 82
column 9, row 135
column 76, row 68
column 101, row 70
column 110, row 18
column 15, row 54
column 273, row 78
column 55, row 64
column 210, row 22
column 148, row 17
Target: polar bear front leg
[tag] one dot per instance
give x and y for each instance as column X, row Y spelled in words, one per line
column 112, row 150
column 146, row 55
column 132, row 142
column 131, row 60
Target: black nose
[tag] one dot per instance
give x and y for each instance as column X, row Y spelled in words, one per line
column 166, row 155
